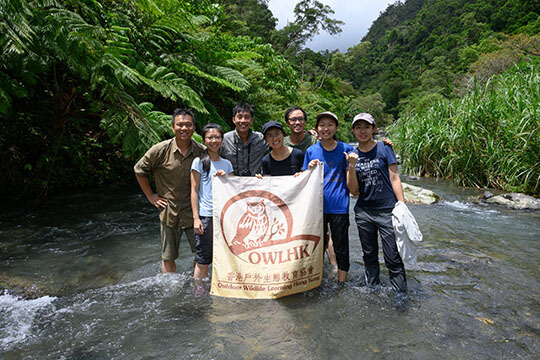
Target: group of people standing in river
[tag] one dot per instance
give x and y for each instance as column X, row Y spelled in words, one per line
column 183, row 171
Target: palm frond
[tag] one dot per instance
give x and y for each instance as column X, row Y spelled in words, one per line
column 232, row 76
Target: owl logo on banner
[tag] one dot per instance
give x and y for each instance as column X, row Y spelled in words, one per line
column 254, row 228
column 263, row 221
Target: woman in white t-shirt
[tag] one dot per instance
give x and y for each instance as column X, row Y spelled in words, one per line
column 202, row 170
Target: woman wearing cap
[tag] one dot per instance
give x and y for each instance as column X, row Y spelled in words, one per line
column 373, row 175
column 335, row 192
column 282, row 160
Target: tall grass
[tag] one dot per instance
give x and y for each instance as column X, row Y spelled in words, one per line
column 488, row 138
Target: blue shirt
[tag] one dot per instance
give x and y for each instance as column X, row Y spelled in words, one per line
column 205, row 184
column 335, row 191
column 374, row 184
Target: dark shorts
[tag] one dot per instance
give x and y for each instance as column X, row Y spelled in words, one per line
column 204, row 243
column 339, row 228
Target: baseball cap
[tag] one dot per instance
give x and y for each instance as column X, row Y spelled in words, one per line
column 328, row 114
column 363, row 116
column 272, row 124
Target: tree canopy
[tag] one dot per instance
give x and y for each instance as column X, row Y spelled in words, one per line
column 68, row 65
column 418, row 51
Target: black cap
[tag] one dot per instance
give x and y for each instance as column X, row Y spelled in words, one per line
column 272, row 124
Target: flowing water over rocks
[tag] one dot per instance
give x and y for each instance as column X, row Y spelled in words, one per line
column 81, row 281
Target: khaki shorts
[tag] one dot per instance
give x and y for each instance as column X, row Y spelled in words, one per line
column 170, row 241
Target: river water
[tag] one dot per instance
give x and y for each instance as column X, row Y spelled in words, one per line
column 93, row 258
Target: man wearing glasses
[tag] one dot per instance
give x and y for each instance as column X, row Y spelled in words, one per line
column 295, row 118
column 242, row 147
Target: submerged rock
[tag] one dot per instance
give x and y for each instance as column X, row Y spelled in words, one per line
column 22, row 288
column 418, row 195
column 516, row 201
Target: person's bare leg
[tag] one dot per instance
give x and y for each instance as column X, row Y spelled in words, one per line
column 168, row 266
column 201, row 271
column 330, row 251
column 342, row 276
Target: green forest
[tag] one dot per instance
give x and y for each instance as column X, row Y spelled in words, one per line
column 86, row 86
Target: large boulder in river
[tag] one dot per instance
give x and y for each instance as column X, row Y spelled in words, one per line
column 515, row 201
column 418, row 195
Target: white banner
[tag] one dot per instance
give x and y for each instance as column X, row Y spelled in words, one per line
column 267, row 235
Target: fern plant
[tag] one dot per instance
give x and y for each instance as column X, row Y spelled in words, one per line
column 121, row 65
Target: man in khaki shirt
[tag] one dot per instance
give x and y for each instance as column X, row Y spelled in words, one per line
column 170, row 162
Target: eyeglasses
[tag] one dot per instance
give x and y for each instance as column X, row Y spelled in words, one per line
column 295, row 119
column 274, row 136
column 215, row 137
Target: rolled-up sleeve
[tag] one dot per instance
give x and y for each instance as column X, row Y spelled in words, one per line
column 144, row 166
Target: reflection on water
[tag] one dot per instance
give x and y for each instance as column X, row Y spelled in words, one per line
column 93, row 261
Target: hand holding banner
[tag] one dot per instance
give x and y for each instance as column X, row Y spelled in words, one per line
column 267, row 236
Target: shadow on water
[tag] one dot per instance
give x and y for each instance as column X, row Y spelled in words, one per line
column 88, row 268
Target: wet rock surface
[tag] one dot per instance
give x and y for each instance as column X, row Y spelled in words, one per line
column 417, row 195
column 22, row 288
column 516, row 201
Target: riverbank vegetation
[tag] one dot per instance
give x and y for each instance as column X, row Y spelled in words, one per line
column 86, row 86
column 490, row 137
